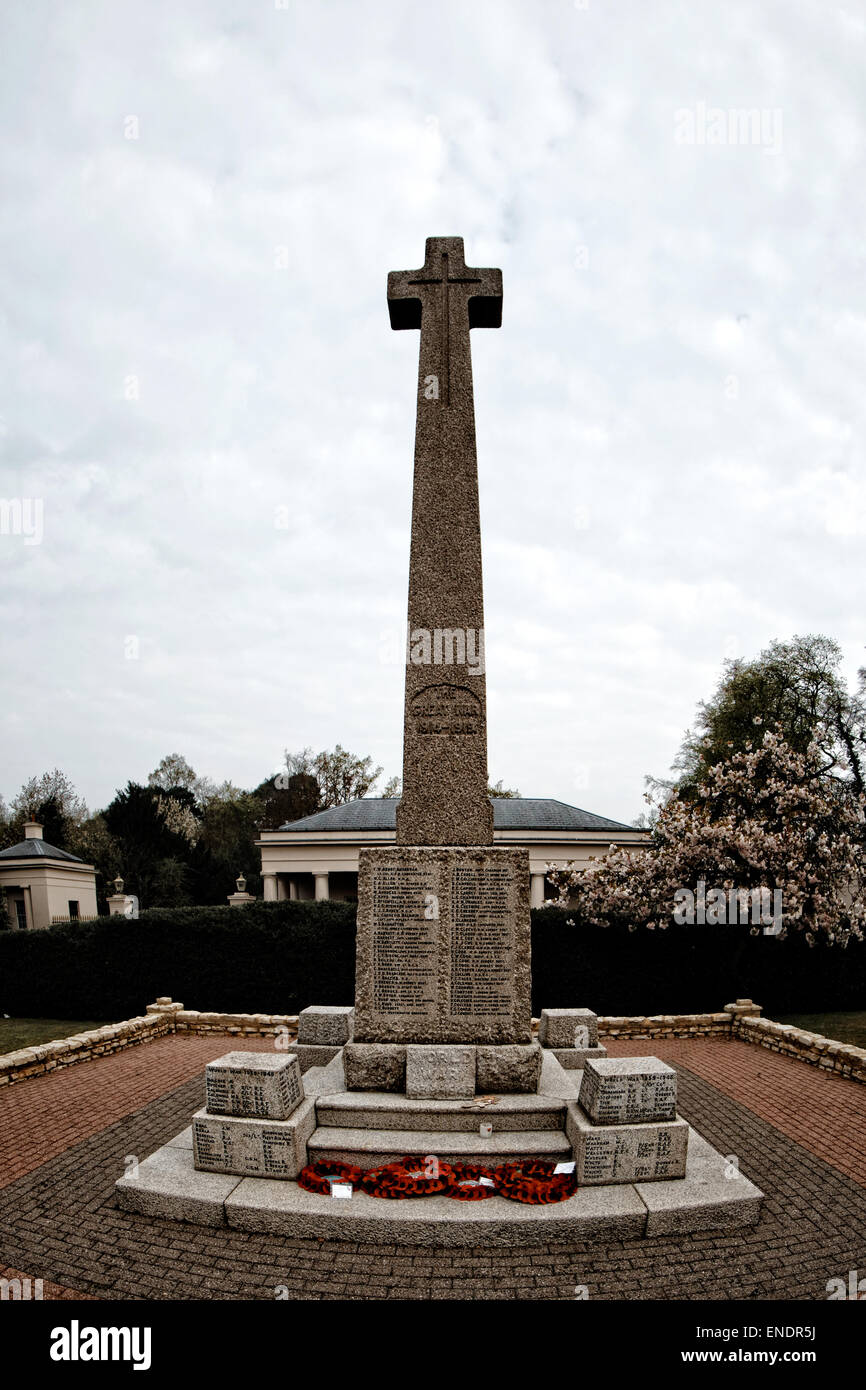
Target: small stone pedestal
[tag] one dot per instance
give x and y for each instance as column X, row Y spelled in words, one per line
column 624, row 1126
column 571, row 1035
column 257, row 1120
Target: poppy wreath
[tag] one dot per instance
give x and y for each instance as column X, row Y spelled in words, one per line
column 407, row 1178
column 317, row 1177
column 533, row 1181
column 467, row 1185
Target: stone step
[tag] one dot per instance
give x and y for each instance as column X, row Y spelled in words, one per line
column 367, row 1148
column 386, row 1110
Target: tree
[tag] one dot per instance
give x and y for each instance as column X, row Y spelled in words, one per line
column 93, row 842
column 136, row 819
column 174, row 773
column 53, row 801
column 226, row 844
column 795, row 687
column 341, row 776
column 765, row 818
column 286, row 797
column 499, row 790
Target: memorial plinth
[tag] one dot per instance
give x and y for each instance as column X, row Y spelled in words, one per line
column 571, row 1035
column 443, row 946
column 617, row 1153
column 257, row 1120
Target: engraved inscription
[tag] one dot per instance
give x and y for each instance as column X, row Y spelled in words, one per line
column 449, row 710
column 405, row 942
column 482, row 942
column 443, row 946
column 614, row 1155
column 625, row 1099
column 266, row 1095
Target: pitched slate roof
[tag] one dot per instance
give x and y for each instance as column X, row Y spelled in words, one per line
column 509, row 813
column 37, row 849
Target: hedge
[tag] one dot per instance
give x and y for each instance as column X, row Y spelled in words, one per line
column 279, row 957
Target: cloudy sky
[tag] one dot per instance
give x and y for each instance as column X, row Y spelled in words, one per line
column 200, row 389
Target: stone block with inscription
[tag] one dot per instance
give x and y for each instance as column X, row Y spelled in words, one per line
column 568, row 1028
column 613, row 1153
column 375, row 1066
column 506, row 1069
column 326, row 1025
column 443, row 946
column 439, row 1072
column 254, row 1084
column 253, row 1148
column 622, row 1090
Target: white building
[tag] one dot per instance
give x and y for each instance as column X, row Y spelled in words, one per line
column 317, row 857
column 45, row 884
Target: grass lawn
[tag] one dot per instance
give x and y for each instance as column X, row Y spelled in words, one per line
column 24, row 1032
column 845, row 1028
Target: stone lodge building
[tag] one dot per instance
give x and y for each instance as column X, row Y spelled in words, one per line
column 317, row 857
column 44, row 884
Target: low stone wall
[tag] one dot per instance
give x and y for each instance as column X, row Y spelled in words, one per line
column 666, row 1026
column 81, row 1047
column 818, row 1051
column 246, row 1025
column 740, row 1020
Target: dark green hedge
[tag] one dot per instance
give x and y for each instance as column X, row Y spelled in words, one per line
column 688, row 969
column 265, row 958
column 279, row 957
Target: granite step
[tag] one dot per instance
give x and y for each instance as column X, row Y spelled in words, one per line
column 367, row 1148
column 385, row 1110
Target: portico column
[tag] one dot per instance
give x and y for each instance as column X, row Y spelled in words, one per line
column 270, row 887
column 536, row 890
column 322, row 893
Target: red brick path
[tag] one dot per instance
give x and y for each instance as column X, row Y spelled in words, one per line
column 58, row 1219
column 44, row 1115
column 824, row 1113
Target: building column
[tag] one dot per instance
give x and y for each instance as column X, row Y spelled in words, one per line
column 293, row 889
column 321, row 888
column 270, row 887
column 536, row 890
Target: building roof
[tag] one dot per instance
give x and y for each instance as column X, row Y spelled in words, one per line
column 37, row 849
column 509, row 813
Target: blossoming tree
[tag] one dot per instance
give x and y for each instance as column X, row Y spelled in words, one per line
column 767, row 817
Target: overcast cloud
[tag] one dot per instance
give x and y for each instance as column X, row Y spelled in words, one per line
column 200, row 382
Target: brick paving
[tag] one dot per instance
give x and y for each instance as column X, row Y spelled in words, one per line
column 823, row 1112
column 58, row 1222
column 49, row 1292
column 44, row 1115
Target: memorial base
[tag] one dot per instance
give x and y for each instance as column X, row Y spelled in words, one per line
column 363, row 1126
column 647, row 1152
column 251, row 1147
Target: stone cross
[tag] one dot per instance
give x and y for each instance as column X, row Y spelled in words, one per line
column 444, row 799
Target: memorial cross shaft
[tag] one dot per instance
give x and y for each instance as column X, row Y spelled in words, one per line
column 444, row 799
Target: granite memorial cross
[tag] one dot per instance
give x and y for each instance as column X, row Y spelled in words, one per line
column 444, row 800
column 443, row 917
